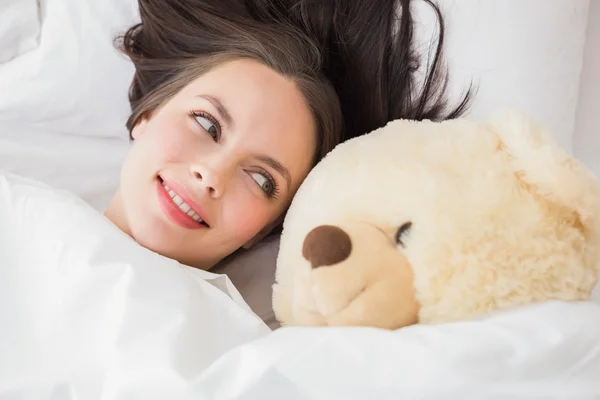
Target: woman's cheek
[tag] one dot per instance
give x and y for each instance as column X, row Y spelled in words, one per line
column 171, row 139
column 248, row 219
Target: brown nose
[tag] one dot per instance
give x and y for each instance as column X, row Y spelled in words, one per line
column 326, row 245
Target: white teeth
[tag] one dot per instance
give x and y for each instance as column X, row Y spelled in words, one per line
column 182, row 205
column 185, row 208
column 177, row 200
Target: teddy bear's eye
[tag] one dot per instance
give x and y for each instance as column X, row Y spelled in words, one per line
column 402, row 232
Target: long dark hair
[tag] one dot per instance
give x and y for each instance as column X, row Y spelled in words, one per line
column 364, row 50
column 177, row 41
column 370, row 55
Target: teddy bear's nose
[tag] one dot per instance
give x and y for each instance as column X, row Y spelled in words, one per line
column 326, row 245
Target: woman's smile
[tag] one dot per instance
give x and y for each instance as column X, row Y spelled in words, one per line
column 179, row 206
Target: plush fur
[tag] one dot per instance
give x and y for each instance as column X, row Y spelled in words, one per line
column 494, row 215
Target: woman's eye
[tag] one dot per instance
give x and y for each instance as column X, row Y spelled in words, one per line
column 209, row 126
column 265, row 184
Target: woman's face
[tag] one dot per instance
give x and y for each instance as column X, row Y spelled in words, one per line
column 215, row 167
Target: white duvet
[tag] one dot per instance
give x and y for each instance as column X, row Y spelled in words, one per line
column 86, row 313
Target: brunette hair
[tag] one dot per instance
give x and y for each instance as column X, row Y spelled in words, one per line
column 177, row 41
column 372, row 58
column 355, row 62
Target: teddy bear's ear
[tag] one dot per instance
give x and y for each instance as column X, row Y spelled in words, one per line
column 547, row 169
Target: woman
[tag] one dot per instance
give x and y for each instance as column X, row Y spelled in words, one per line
column 235, row 101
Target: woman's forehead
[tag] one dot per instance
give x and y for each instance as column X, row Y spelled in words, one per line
column 250, row 84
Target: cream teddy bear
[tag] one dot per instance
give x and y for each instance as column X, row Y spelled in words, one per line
column 427, row 222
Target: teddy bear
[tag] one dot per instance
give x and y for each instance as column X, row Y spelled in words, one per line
column 423, row 222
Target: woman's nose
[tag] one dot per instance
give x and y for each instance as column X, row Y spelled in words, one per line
column 210, row 179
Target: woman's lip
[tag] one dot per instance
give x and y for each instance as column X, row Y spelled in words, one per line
column 173, row 213
column 186, row 197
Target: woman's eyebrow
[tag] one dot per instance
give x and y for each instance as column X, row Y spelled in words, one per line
column 221, row 109
column 277, row 166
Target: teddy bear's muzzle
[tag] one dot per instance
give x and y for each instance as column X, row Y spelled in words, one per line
column 355, row 275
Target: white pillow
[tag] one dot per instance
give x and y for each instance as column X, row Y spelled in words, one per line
column 19, row 28
column 587, row 137
column 75, row 82
column 85, row 165
column 524, row 54
column 86, row 310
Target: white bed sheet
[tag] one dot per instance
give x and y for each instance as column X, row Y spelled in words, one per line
column 86, row 313
column 544, row 351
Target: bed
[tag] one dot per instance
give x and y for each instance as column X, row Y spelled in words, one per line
column 93, row 316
